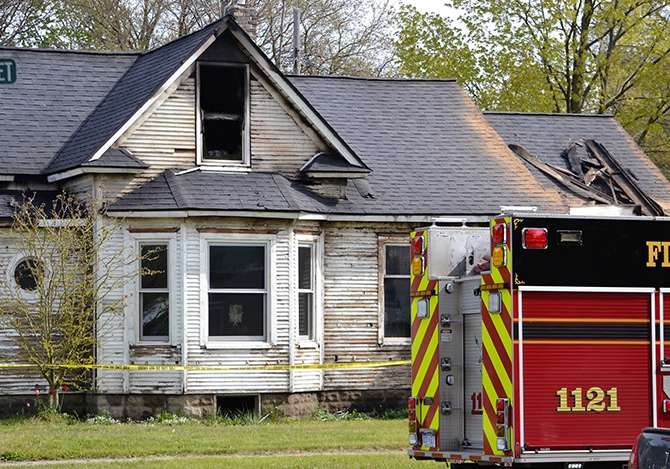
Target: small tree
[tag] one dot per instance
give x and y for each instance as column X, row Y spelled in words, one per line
column 65, row 289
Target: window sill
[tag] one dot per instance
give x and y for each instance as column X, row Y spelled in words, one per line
column 237, row 345
column 208, row 165
column 305, row 344
column 396, row 341
column 152, row 343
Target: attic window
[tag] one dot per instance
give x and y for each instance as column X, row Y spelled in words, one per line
column 223, row 104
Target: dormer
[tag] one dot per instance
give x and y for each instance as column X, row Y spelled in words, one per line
column 222, row 125
column 329, row 175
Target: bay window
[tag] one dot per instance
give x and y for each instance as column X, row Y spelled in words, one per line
column 238, row 291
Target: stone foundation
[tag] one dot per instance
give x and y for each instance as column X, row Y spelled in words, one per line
column 143, row 406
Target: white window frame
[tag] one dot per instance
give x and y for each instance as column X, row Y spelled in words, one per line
column 270, row 318
column 140, row 239
column 383, row 242
column 246, row 157
column 29, row 295
column 311, row 340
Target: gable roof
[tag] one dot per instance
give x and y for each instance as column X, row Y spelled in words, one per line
column 143, row 80
column 431, row 151
column 77, row 117
column 548, row 136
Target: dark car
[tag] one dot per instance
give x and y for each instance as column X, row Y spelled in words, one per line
column 651, row 450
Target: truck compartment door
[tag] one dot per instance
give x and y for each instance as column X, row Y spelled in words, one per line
column 585, row 359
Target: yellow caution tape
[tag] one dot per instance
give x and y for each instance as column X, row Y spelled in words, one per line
column 148, row 367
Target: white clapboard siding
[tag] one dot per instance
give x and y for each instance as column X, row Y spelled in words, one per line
column 351, row 311
column 258, row 379
column 166, row 138
column 277, row 142
column 165, row 382
column 113, row 342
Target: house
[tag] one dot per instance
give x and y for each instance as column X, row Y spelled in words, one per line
column 282, row 207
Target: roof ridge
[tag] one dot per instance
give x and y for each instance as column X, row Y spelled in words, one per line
column 376, row 79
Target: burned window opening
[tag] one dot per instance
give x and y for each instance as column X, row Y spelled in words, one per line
column 222, row 112
column 27, row 274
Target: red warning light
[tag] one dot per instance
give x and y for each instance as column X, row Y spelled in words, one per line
column 534, row 238
column 499, row 233
column 417, row 246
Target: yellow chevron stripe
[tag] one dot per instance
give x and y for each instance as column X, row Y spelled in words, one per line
column 496, row 371
column 488, row 428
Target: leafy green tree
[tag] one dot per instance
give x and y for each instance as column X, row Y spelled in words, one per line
column 59, row 302
column 558, row 56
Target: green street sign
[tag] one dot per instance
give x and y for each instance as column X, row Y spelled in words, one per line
column 7, row 71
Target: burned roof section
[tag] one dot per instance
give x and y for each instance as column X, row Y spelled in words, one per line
column 594, row 174
column 590, row 160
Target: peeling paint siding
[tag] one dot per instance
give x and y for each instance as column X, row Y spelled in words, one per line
column 307, row 381
column 233, row 382
column 224, row 354
column 192, row 286
column 113, row 343
column 169, row 382
column 166, row 139
column 81, row 187
column 351, row 311
column 277, row 142
column 12, row 380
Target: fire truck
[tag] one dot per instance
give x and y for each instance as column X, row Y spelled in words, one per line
column 540, row 340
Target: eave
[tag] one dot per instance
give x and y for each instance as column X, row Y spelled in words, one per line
column 81, row 170
column 318, row 217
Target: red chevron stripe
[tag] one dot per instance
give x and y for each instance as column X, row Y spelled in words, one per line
column 490, row 412
column 423, row 347
column 498, row 344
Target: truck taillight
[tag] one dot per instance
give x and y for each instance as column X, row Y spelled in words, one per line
column 412, row 427
column 502, row 424
column 499, row 256
column 499, row 233
column 418, row 248
column 534, row 238
column 666, row 406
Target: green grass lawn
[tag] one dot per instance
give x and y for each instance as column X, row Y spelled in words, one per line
column 179, row 443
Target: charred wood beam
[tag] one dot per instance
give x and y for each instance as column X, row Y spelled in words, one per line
column 570, row 182
column 623, row 180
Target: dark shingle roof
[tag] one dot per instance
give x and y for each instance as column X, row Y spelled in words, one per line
column 548, row 135
column 53, row 94
column 117, row 158
column 221, row 191
column 430, row 149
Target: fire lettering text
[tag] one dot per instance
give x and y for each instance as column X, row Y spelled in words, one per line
column 658, row 251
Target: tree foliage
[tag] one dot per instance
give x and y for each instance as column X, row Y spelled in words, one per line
column 60, row 303
column 553, row 56
column 338, row 37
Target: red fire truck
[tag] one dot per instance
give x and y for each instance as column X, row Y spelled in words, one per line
column 539, row 341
